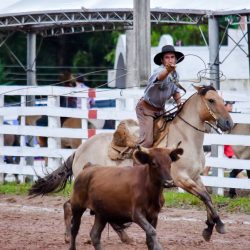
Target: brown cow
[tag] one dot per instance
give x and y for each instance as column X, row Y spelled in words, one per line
column 122, row 195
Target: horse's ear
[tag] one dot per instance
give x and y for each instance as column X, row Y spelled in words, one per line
column 174, row 155
column 142, row 157
column 198, row 88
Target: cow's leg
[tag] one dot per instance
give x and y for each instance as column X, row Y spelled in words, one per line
column 151, row 239
column 96, row 231
column 153, row 221
column 75, row 225
column 198, row 189
column 67, row 220
column 121, row 233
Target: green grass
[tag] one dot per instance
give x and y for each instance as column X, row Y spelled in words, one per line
column 172, row 198
column 13, row 188
column 23, row 188
column 185, row 200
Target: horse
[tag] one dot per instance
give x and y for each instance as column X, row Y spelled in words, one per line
column 138, row 197
column 68, row 122
column 188, row 126
column 241, row 152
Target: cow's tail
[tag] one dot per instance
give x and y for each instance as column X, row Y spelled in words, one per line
column 54, row 182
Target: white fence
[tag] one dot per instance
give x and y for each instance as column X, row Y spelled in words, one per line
column 125, row 105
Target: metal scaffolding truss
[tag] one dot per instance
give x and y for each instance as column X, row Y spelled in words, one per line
column 88, row 27
column 95, row 20
column 172, row 17
column 52, row 23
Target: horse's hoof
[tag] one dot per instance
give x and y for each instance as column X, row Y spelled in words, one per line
column 206, row 234
column 220, row 228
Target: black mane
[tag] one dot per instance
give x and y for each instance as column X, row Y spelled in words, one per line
column 205, row 89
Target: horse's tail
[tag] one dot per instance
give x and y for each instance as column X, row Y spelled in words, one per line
column 54, row 182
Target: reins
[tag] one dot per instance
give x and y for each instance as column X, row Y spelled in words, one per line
column 169, row 116
column 197, row 129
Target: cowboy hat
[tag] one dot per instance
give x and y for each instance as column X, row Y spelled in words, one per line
column 229, row 102
column 168, row 49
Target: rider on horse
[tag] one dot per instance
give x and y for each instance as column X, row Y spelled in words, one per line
column 161, row 87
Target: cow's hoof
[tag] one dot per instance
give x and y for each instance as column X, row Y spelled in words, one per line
column 66, row 238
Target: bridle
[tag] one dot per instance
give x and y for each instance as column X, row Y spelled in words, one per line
column 209, row 111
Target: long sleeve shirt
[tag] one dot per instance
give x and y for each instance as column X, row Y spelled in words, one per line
column 158, row 92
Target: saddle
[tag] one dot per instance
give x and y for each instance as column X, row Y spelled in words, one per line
column 125, row 138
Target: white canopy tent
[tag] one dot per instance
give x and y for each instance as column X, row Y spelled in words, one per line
column 197, row 6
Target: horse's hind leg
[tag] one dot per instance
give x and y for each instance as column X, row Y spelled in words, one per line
column 67, row 220
column 198, row 189
column 96, row 231
column 75, row 225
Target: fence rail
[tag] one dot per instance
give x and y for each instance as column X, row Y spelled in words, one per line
column 125, row 101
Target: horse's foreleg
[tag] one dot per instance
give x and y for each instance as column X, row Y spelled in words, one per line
column 198, row 189
column 67, row 220
column 96, row 231
column 212, row 213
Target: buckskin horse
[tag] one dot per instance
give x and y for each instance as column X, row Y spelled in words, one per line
column 188, row 126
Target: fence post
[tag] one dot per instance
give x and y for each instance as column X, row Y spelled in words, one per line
column 84, row 107
column 22, row 139
column 119, row 106
column 53, row 122
column 220, row 191
column 1, row 138
column 129, row 104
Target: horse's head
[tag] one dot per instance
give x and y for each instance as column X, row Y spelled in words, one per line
column 212, row 108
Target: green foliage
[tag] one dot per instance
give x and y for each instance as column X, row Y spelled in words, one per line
column 187, row 34
column 110, row 57
column 81, row 58
column 223, row 21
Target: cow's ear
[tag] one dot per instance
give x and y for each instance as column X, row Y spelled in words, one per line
column 142, row 157
column 174, row 155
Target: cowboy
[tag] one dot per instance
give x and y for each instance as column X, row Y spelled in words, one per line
column 161, row 87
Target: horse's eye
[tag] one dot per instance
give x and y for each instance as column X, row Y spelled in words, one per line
column 211, row 101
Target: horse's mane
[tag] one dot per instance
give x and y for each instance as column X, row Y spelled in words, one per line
column 205, row 88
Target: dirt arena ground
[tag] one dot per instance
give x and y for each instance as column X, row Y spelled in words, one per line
column 38, row 224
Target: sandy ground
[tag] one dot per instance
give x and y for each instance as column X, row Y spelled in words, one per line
column 38, row 224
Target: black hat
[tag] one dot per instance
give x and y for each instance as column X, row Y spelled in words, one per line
column 166, row 49
column 229, row 102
